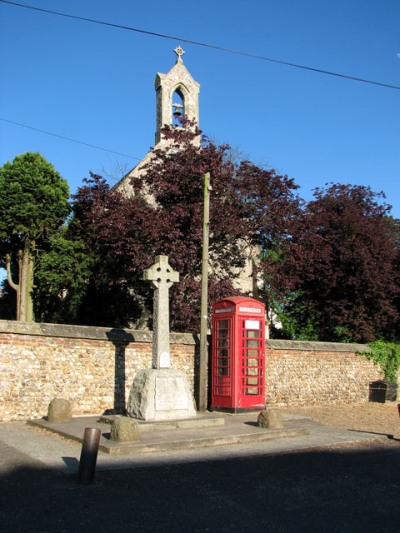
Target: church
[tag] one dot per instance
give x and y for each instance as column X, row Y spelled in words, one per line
column 177, row 95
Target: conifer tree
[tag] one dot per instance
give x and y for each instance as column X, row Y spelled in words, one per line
column 33, row 203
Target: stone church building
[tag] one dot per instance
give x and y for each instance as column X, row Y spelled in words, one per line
column 177, row 95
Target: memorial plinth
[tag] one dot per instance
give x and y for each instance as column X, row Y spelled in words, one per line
column 161, row 393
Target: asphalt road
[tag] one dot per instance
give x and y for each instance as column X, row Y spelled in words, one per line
column 342, row 488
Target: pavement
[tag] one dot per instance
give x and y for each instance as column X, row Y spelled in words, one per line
column 311, row 478
column 209, row 436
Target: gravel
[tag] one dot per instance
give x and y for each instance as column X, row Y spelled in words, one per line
column 372, row 417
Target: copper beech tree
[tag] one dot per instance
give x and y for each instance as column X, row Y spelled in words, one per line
column 327, row 269
column 251, row 208
column 340, row 276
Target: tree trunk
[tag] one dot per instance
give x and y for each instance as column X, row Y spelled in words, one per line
column 29, row 288
column 25, row 304
column 12, row 284
column 24, row 311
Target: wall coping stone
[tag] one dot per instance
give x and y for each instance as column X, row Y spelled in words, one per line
column 122, row 335
column 116, row 335
column 314, row 346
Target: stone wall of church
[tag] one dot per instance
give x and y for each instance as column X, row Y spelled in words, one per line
column 94, row 368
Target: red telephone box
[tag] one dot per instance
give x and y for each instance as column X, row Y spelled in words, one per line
column 238, row 355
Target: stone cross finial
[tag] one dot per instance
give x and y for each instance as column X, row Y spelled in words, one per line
column 179, row 52
column 162, row 277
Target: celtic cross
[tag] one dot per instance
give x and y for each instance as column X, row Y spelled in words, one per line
column 179, row 52
column 162, row 277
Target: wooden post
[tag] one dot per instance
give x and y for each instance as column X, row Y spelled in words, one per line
column 202, row 403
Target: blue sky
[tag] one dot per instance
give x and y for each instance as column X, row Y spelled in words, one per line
column 95, row 84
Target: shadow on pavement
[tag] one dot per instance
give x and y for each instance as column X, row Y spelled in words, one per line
column 337, row 489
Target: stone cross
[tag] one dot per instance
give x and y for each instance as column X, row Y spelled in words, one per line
column 162, row 277
column 179, row 52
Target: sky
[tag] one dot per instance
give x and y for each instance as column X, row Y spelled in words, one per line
column 94, row 84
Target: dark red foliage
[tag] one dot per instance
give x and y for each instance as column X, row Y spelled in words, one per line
column 336, row 259
column 343, row 261
column 249, row 207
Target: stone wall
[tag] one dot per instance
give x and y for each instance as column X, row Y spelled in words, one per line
column 304, row 373
column 92, row 367
column 95, row 367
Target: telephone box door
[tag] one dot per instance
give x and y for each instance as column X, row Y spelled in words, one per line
column 222, row 362
column 238, row 355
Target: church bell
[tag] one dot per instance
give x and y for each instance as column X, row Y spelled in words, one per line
column 177, row 112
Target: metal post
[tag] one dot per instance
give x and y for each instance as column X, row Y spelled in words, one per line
column 202, row 404
column 87, row 463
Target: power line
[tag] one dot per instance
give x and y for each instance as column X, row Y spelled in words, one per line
column 205, row 45
column 67, row 138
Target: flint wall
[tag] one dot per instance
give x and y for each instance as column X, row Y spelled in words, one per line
column 94, row 368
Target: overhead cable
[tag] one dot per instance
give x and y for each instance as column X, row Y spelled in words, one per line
column 206, row 45
column 67, row 138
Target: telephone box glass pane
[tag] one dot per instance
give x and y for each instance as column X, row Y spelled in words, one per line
column 222, row 380
column 252, row 358
column 252, row 334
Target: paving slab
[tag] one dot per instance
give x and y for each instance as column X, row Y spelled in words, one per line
column 62, row 453
column 200, row 432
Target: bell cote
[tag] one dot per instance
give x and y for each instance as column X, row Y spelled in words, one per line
column 177, row 95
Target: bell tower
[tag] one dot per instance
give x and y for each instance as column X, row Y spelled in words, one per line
column 177, row 95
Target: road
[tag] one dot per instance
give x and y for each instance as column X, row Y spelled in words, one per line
column 332, row 489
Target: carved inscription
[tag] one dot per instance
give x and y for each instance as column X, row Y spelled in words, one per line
column 170, row 393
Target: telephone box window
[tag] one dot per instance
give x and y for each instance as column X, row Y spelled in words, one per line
column 222, row 363
column 252, row 362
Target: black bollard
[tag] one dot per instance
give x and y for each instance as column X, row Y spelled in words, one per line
column 87, row 463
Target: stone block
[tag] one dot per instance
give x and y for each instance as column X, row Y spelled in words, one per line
column 160, row 394
column 124, row 429
column 270, row 418
column 60, row 410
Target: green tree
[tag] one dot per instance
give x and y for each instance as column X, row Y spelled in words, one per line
column 33, row 204
column 61, row 276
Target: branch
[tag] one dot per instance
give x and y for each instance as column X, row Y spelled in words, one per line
column 9, row 275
